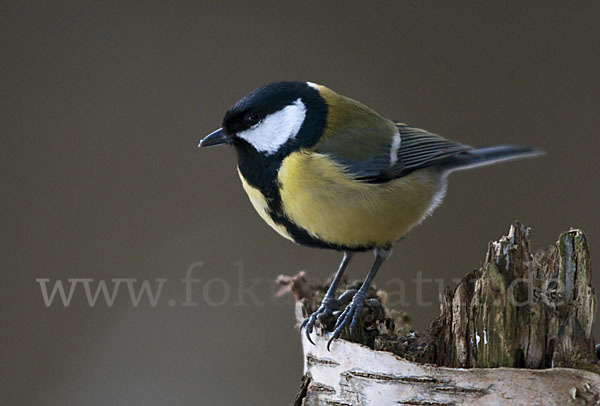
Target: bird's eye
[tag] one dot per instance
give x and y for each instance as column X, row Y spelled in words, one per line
column 252, row 119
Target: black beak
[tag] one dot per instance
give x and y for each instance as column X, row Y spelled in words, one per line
column 215, row 138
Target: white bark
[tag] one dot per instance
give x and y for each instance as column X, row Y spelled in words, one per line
column 353, row 374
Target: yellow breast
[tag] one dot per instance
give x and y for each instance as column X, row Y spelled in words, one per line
column 318, row 196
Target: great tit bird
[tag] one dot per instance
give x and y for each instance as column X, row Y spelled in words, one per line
column 326, row 171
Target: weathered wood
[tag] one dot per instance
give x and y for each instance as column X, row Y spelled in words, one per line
column 521, row 310
column 532, row 313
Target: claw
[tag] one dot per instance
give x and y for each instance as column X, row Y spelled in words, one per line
column 330, row 341
column 326, row 309
column 307, row 332
column 350, row 315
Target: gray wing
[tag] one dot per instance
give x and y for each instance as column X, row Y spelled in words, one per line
column 418, row 149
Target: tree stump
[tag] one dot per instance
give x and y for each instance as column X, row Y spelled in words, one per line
column 517, row 331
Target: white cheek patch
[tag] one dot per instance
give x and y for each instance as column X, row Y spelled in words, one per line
column 275, row 129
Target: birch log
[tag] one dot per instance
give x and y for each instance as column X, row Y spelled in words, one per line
column 517, row 331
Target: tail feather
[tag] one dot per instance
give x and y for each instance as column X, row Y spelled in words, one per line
column 488, row 156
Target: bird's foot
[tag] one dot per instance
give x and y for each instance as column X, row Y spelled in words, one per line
column 349, row 316
column 328, row 309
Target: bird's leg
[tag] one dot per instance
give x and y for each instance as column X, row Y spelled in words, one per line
column 329, row 303
column 351, row 313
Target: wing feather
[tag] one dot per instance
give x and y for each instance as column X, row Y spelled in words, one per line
column 418, row 149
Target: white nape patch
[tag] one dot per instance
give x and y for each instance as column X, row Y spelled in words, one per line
column 394, row 148
column 276, row 128
column 313, row 85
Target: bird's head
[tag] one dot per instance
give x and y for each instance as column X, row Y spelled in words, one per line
column 274, row 119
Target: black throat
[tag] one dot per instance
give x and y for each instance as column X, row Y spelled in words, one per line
column 260, row 170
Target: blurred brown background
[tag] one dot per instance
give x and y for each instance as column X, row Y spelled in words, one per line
column 103, row 104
